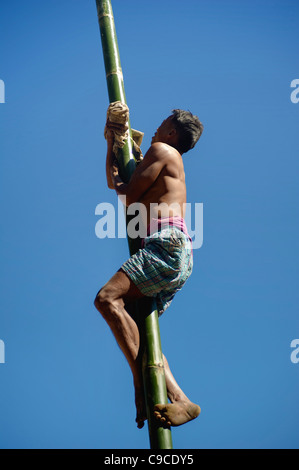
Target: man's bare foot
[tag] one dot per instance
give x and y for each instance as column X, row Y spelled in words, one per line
column 177, row 413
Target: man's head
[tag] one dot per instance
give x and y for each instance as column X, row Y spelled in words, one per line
column 181, row 130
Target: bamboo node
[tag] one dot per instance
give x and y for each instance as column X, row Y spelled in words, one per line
column 160, row 366
column 116, row 72
column 105, row 15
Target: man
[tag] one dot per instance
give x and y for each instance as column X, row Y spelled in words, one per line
column 163, row 264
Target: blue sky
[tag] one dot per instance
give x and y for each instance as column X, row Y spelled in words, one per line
column 227, row 335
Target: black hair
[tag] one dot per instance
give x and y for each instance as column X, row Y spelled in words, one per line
column 189, row 129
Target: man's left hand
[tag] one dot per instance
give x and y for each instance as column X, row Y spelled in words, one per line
column 114, row 169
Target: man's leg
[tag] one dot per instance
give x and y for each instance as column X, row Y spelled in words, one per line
column 110, row 302
column 181, row 409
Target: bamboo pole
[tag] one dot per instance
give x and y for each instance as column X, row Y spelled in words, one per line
column 152, row 360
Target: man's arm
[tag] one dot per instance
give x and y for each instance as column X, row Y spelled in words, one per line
column 109, row 158
column 145, row 174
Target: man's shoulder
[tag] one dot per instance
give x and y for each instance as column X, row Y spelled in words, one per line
column 160, row 150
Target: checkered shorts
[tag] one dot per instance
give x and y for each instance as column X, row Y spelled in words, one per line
column 162, row 266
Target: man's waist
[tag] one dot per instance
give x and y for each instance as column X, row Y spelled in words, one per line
column 156, row 225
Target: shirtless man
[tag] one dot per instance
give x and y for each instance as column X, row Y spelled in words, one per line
column 163, row 264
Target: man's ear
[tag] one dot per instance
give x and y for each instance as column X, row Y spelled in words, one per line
column 172, row 132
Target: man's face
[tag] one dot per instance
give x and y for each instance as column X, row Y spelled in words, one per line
column 162, row 133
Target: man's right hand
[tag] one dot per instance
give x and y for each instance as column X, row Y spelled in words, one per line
column 116, row 127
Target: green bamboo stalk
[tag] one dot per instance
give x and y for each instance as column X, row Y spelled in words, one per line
column 153, row 374
column 152, row 362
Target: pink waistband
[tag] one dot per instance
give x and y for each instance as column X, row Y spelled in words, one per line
column 157, row 224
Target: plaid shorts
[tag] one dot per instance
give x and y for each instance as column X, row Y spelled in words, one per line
column 162, row 266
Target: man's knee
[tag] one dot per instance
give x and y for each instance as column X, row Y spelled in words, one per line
column 106, row 304
column 102, row 300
